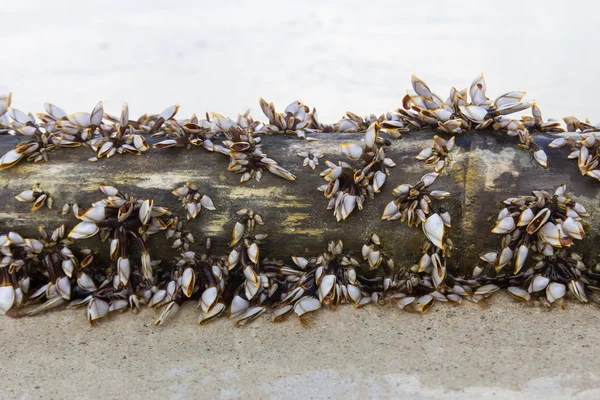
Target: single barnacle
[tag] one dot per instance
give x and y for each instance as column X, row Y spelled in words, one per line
column 125, row 218
column 192, row 200
column 37, row 196
column 311, row 159
column 5, row 100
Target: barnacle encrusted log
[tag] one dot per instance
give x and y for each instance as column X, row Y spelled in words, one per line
column 484, row 169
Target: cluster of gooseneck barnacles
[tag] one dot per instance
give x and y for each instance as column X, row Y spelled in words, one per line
column 239, row 138
column 466, row 110
column 37, row 196
column 585, row 148
column 349, row 187
column 537, row 260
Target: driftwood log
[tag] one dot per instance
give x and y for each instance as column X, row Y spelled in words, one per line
column 486, row 168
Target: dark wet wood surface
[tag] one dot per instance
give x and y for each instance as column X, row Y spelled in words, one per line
column 486, row 168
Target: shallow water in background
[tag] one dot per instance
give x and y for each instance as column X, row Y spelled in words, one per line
column 355, row 55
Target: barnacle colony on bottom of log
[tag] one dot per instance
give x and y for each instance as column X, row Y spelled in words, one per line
column 38, row 275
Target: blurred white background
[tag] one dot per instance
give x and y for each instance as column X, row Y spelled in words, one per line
column 354, row 55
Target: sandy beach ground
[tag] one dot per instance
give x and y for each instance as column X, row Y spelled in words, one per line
column 509, row 350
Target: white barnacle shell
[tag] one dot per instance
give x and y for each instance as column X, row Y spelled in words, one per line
column 504, row 226
column 429, row 178
column 207, row 203
column 83, row 230
column 97, row 309
column 555, row 291
column 539, row 283
column 519, row 293
column 26, row 196
column 300, row 261
column 352, row 150
column 434, row 229
column 7, row 298
column 306, row 305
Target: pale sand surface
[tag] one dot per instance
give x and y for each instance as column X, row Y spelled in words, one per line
column 508, row 350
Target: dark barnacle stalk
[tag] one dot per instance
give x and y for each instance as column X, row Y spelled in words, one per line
column 541, row 227
column 550, row 277
column 65, row 276
column 349, row 187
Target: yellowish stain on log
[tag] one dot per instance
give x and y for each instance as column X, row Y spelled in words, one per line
column 275, row 196
column 295, row 223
